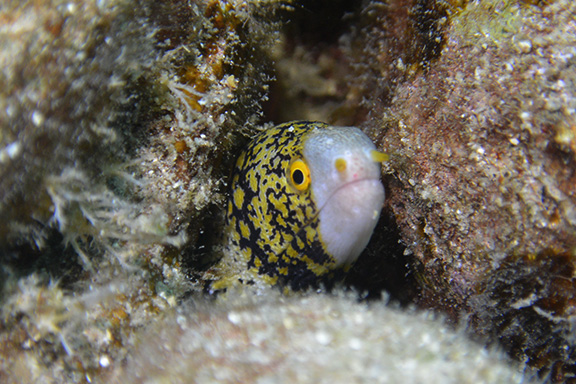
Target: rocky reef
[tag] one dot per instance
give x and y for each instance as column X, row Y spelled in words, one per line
column 119, row 124
column 480, row 133
column 311, row 338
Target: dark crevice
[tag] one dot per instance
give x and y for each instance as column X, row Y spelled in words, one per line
column 384, row 266
column 57, row 261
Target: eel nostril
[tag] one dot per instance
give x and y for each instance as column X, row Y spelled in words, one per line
column 340, row 164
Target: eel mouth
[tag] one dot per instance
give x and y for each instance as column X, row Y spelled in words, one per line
column 355, row 188
column 348, row 217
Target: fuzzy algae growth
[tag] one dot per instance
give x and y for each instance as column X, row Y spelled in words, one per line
column 109, row 116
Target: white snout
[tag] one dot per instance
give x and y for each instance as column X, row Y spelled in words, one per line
column 348, row 218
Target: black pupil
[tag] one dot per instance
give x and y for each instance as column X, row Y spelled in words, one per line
column 298, row 176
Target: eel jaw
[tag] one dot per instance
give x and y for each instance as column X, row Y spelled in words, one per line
column 348, row 217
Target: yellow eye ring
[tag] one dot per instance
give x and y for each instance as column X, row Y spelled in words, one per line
column 299, row 175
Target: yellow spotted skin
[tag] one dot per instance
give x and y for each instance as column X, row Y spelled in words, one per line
column 271, row 221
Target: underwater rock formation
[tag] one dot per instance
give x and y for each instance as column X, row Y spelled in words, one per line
column 482, row 174
column 309, row 339
column 118, row 123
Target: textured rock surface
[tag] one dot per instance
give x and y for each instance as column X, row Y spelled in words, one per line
column 118, row 123
column 481, row 184
column 311, row 339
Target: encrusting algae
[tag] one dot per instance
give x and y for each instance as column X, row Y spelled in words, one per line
column 117, row 121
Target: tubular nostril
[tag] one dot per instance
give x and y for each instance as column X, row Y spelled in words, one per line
column 340, row 164
column 379, row 157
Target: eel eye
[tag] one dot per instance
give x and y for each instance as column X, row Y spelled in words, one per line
column 299, row 175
